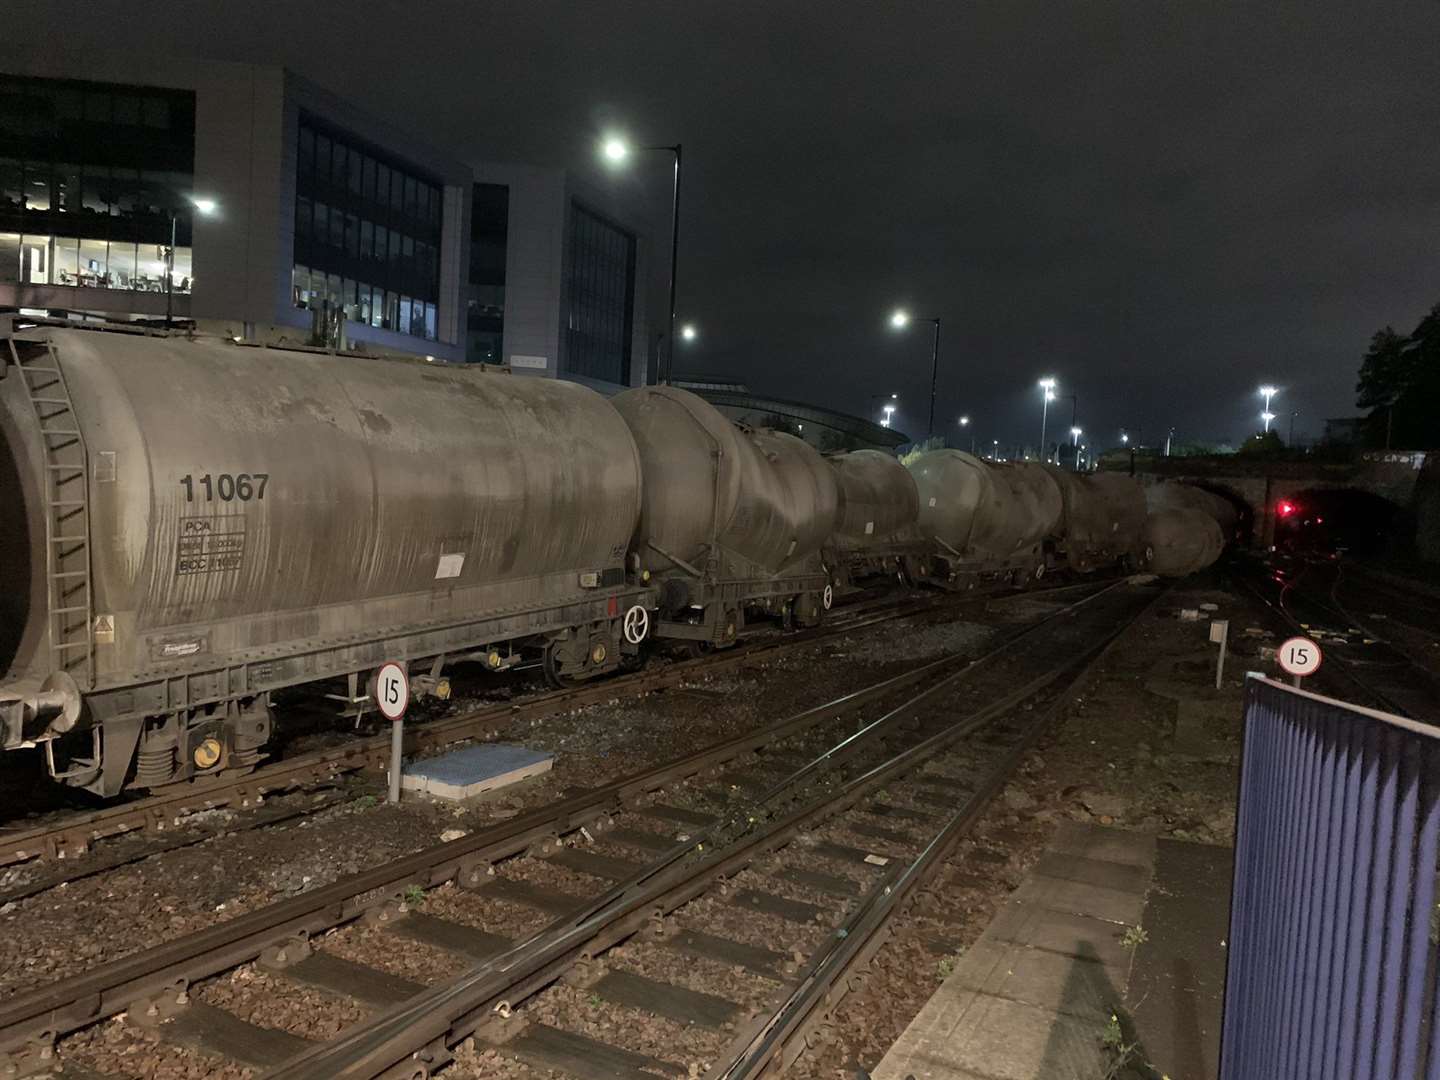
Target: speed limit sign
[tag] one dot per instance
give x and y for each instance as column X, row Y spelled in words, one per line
column 392, row 690
column 1300, row 656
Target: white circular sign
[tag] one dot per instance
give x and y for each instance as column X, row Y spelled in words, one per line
column 1300, row 656
column 392, row 690
column 636, row 625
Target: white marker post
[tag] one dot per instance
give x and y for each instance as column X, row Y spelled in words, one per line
column 1299, row 657
column 1220, row 635
column 392, row 697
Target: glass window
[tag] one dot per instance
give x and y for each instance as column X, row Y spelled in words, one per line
column 367, row 239
column 35, row 259
column 156, row 112
column 394, row 248
column 37, row 185
column 306, row 164
column 127, row 109
column 600, row 288
column 397, row 192
column 300, row 286
column 322, row 223
column 304, row 217
column 377, row 306
column 9, row 257
column 93, row 184
column 12, row 185
column 122, row 264
column 67, row 188
column 369, row 181
column 322, row 156
column 410, row 195
column 69, row 105
column 126, row 184
column 66, row 259
column 337, row 228
column 338, row 164
column 357, row 166
column 430, row 323
column 381, row 246
column 352, row 236
column 97, row 108
column 382, row 183
column 94, row 263
column 184, row 275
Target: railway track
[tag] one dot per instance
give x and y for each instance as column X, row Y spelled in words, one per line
column 543, row 900
column 1305, row 598
column 162, row 814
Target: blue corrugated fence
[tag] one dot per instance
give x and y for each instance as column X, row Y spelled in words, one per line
column 1332, row 949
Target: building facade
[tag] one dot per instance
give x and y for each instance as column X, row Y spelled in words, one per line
column 254, row 203
column 557, row 278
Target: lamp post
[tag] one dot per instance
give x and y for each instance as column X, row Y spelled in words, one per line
column 888, row 410
column 1047, row 391
column 688, row 332
column 1268, row 392
column 1075, row 434
column 965, row 423
column 204, row 206
column 900, row 320
column 616, row 150
column 876, row 397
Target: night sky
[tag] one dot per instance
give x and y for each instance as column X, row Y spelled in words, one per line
column 1160, row 203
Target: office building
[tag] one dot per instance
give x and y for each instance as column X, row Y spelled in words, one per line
column 297, row 217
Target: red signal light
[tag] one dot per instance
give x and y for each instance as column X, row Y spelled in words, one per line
column 1285, row 509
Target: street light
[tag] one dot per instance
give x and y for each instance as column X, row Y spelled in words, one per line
column 688, row 332
column 965, row 422
column 202, row 206
column 1125, row 438
column 616, row 150
column 901, row 319
column 888, row 410
column 1267, row 392
column 1047, row 390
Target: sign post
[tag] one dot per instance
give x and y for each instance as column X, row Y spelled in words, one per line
column 392, row 697
column 1220, row 635
column 1299, row 657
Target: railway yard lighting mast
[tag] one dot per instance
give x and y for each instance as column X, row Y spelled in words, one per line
column 1047, row 395
column 1267, row 392
column 900, row 319
column 616, row 151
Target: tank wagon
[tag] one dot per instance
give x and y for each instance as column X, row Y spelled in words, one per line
column 986, row 520
column 876, row 532
column 1103, row 521
column 1187, row 528
column 190, row 525
column 732, row 519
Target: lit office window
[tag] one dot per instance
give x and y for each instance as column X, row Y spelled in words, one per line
column 367, row 233
column 90, row 174
column 599, row 297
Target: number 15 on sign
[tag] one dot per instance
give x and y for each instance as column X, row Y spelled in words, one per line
column 1299, row 656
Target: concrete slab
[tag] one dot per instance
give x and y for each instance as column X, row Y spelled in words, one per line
column 474, row 770
column 1179, row 978
column 1031, row 998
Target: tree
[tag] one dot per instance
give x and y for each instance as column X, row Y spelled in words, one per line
column 1262, row 442
column 1400, row 385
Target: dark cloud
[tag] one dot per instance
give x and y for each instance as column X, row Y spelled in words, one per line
column 1161, row 203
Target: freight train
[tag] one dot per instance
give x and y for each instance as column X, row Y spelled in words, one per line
column 190, row 524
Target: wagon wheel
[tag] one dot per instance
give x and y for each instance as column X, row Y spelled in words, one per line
column 550, row 665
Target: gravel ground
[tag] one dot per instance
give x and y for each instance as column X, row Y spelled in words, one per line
column 1122, row 756
column 68, row 929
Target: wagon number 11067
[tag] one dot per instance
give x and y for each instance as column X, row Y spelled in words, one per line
column 226, row 486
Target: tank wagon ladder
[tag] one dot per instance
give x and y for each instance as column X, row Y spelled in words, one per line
column 67, row 515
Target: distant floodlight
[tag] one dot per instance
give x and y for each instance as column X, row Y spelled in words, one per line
column 1268, row 391
column 615, row 149
column 1076, row 432
column 1049, row 395
column 900, row 319
column 205, row 206
column 1047, row 384
column 688, row 332
column 1124, row 438
column 964, row 421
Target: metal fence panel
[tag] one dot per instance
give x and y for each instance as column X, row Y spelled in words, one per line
column 1332, row 949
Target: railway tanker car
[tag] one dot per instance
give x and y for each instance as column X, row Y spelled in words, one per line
column 189, row 525
column 876, row 532
column 732, row 519
column 1103, row 521
column 986, row 520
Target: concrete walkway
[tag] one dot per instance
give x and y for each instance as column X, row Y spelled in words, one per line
column 1032, row 997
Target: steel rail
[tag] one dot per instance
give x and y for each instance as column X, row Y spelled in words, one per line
column 774, row 1041
column 75, row 1002
column 416, row 1035
column 157, row 812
